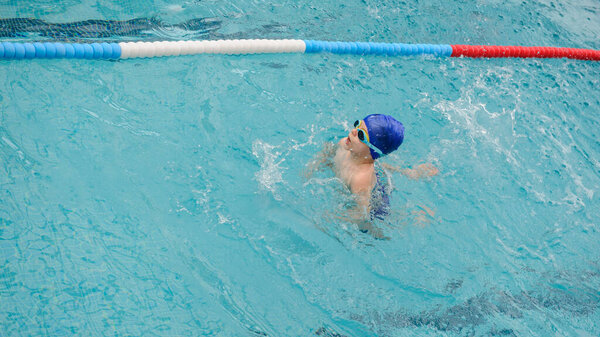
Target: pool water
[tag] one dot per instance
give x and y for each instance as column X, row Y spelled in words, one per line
column 167, row 196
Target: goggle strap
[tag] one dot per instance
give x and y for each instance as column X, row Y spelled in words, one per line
column 372, row 147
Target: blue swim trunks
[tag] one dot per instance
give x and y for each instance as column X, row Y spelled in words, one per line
column 380, row 196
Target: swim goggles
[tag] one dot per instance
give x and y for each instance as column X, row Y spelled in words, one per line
column 363, row 135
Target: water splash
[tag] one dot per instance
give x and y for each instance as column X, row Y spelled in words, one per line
column 270, row 173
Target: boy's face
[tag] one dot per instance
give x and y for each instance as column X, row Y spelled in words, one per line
column 353, row 143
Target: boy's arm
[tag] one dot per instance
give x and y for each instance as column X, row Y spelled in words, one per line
column 418, row 172
column 361, row 187
column 362, row 192
column 321, row 160
column 359, row 214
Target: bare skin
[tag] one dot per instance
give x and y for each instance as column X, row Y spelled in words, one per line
column 418, row 172
column 352, row 163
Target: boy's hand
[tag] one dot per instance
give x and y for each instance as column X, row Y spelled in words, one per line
column 417, row 172
column 421, row 171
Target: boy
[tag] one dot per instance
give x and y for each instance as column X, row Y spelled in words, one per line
column 354, row 163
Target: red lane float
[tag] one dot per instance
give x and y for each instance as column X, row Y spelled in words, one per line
column 459, row 50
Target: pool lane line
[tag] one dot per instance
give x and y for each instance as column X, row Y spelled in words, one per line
column 124, row 50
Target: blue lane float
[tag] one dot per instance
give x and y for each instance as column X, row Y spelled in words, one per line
column 366, row 48
column 124, row 50
column 52, row 50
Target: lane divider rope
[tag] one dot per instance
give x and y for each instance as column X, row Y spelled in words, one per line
column 124, row 50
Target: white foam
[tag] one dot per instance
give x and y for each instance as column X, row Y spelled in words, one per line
column 465, row 110
column 270, row 173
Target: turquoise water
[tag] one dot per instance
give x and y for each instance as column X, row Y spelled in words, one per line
column 166, row 196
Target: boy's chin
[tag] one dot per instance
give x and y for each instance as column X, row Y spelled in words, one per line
column 345, row 144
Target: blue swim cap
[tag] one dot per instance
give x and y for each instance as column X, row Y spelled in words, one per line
column 385, row 133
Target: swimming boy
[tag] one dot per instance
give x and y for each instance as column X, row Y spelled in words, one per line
column 354, row 163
